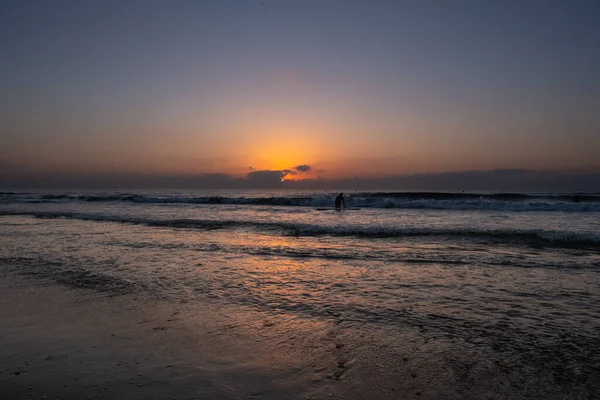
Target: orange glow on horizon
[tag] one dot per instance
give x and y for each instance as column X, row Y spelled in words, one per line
column 288, row 177
column 282, row 151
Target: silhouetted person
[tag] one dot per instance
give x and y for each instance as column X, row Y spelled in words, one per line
column 339, row 200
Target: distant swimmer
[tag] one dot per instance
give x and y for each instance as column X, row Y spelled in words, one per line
column 339, row 200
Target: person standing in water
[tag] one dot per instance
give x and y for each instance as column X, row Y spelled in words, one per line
column 338, row 202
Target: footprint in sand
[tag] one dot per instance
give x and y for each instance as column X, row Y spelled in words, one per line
column 340, row 370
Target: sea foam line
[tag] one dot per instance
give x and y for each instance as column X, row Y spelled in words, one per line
column 399, row 200
column 547, row 237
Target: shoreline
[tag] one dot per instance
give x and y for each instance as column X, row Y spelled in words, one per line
column 72, row 343
column 58, row 342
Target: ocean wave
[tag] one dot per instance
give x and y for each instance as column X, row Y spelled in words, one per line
column 385, row 200
column 529, row 236
column 506, row 196
column 70, row 275
column 414, row 257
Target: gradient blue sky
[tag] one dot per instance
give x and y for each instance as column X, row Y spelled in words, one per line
column 351, row 88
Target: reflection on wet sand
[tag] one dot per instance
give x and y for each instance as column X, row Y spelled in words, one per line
column 354, row 318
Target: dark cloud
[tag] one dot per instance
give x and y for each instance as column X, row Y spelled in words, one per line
column 266, row 176
column 492, row 180
column 264, row 179
column 302, row 168
column 517, row 180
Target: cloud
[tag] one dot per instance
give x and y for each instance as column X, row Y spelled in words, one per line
column 491, row 180
column 265, row 179
column 265, row 176
column 302, row 168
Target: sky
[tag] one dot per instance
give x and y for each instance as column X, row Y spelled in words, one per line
column 313, row 90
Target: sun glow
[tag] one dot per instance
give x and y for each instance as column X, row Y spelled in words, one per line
column 280, row 155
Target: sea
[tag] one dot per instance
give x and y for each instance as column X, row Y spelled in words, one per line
column 518, row 273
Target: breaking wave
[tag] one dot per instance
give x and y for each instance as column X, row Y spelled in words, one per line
column 389, row 200
column 525, row 236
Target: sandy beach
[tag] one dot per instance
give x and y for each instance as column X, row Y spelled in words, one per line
column 59, row 342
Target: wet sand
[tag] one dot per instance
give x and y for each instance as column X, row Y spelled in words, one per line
column 69, row 343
